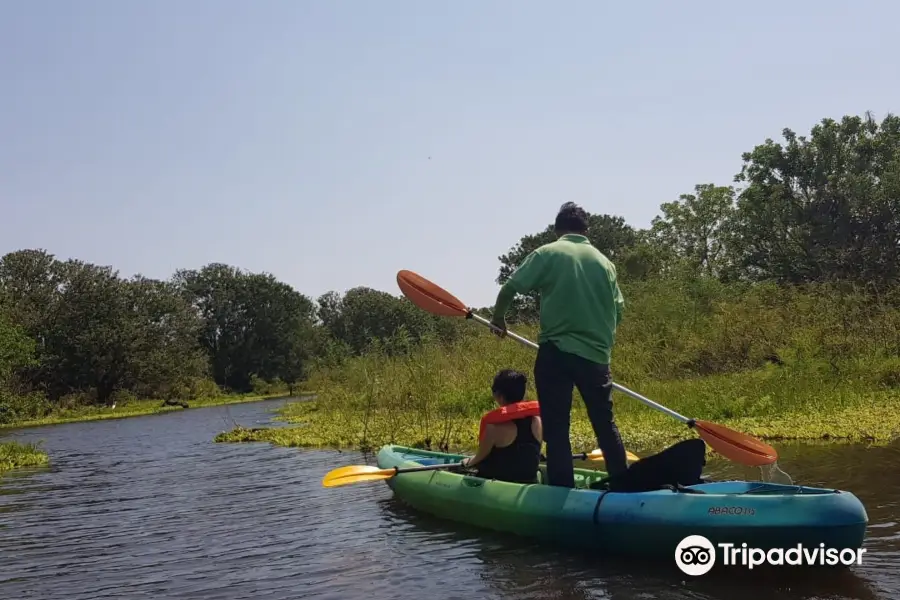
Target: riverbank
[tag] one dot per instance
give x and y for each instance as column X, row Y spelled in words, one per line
column 777, row 362
column 14, row 455
column 436, row 396
column 871, row 418
column 137, row 408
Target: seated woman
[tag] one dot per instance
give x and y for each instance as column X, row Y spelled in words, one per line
column 510, row 438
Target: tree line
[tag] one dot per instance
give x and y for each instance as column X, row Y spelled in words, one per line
column 76, row 332
column 822, row 208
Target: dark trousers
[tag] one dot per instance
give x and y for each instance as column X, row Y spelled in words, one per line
column 556, row 374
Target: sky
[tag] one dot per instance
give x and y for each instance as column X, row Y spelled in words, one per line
column 333, row 143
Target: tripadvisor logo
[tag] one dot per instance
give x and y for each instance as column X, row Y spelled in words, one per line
column 696, row 555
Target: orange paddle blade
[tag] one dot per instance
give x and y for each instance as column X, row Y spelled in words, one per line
column 736, row 446
column 428, row 296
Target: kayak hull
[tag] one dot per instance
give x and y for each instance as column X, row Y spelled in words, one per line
column 647, row 524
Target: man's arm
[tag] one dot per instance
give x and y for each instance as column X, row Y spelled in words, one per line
column 504, row 299
column 619, row 301
column 526, row 278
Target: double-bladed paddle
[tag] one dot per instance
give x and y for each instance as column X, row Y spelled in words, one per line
column 731, row 444
column 361, row 473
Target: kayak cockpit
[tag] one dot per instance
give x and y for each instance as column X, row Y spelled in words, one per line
column 589, row 478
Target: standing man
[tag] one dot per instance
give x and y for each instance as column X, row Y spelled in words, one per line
column 581, row 305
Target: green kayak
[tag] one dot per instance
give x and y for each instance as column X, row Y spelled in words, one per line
column 762, row 515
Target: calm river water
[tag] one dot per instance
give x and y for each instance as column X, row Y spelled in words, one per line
column 150, row 507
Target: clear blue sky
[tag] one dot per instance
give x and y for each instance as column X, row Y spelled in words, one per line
column 294, row 136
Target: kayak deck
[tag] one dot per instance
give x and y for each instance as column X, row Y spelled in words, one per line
column 761, row 514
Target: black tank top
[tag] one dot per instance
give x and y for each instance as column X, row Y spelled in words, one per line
column 516, row 463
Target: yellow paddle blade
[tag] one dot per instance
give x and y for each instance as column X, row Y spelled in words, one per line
column 598, row 455
column 355, row 474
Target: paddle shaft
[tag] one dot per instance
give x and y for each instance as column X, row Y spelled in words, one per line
column 623, row 389
column 397, row 470
column 426, row 468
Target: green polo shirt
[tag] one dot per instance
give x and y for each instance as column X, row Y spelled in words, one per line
column 581, row 303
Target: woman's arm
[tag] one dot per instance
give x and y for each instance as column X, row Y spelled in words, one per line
column 484, row 447
column 537, row 429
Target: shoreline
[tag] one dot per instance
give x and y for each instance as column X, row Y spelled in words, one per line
column 874, row 420
column 141, row 408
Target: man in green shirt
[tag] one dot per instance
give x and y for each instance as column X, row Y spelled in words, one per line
column 581, row 305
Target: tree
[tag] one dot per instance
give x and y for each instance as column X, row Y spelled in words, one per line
column 253, row 324
column 163, row 338
column 30, row 282
column 214, row 292
column 107, row 335
column 330, row 307
column 693, row 228
column 364, row 315
column 16, row 350
column 822, row 208
column 280, row 321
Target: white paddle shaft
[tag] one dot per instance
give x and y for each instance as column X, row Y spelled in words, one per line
column 623, row 389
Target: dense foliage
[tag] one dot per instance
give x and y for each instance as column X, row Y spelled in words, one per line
column 74, row 334
column 807, row 248
column 822, row 208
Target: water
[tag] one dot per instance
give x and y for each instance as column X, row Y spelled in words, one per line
column 150, row 507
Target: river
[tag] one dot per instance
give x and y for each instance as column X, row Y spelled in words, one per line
column 150, row 507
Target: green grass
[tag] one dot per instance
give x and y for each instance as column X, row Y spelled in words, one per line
column 777, row 363
column 755, row 403
column 14, row 455
column 435, row 398
column 131, row 408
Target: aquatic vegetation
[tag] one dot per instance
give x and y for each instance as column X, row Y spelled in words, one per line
column 776, row 363
column 14, row 455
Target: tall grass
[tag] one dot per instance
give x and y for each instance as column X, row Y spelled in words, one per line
column 14, row 455
column 777, row 362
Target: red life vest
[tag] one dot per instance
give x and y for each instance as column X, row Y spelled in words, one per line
column 510, row 412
